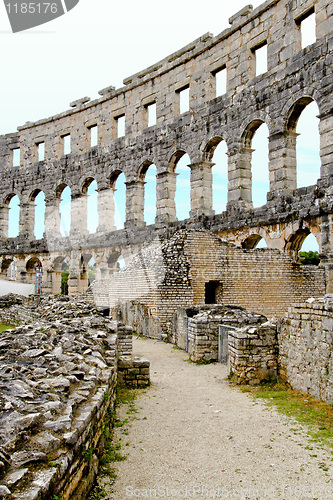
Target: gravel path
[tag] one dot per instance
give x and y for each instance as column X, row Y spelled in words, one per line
column 194, row 436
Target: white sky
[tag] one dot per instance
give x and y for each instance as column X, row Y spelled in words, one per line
column 96, row 44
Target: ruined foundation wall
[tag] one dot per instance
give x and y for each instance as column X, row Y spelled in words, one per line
column 262, row 280
column 58, row 380
column 253, row 353
column 305, row 348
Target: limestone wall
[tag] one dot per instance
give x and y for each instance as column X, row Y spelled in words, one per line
column 305, row 347
column 262, row 280
column 203, row 328
column 295, row 76
column 58, row 380
column 253, row 353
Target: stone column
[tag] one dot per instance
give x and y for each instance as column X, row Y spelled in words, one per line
column 74, row 273
column 106, row 210
column 52, row 220
column 326, row 144
column 239, row 178
column 165, row 197
column 78, row 215
column 27, row 220
column 201, row 189
column 326, row 249
column 4, row 214
column 135, row 199
column 282, row 162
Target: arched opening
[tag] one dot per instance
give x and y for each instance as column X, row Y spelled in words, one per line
column 90, row 189
column 13, row 203
column 8, row 269
column 180, row 165
column 308, row 146
column 65, row 196
column 220, row 177
column 39, row 217
column 120, row 264
column 34, row 273
column 254, row 241
column 148, row 174
column 60, row 276
column 309, row 251
column 259, row 165
column 91, row 271
column 303, row 242
column 118, row 183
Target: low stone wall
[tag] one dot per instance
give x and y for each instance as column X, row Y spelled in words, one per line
column 203, row 327
column 133, row 372
column 139, row 317
column 253, row 353
column 306, row 343
column 16, row 309
column 58, row 377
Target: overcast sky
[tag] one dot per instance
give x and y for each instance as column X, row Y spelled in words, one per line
column 97, row 44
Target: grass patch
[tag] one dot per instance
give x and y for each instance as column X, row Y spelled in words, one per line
column 177, row 348
column 307, row 410
column 5, row 326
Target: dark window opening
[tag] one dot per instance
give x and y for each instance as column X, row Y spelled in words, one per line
column 212, row 292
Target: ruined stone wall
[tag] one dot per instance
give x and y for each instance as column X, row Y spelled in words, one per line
column 305, row 347
column 261, row 280
column 58, row 380
column 203, row 328
column 268, row 281
column 253, row 353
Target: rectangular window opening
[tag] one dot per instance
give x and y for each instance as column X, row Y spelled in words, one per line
column 121, row 125
column 307, row 26
column 41, row 151
column 67, row 144
column 221, row 81
column 260, row 54
column 16, row 157
column 184, row 99
column 151, row 108
column 93, row 136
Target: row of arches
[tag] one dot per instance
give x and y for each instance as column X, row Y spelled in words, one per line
column 13, row 268
column 216, row 152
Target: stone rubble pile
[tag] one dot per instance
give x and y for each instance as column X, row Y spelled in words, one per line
column 55, row 378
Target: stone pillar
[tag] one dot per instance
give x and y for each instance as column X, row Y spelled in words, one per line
column 52, row 220
column 282, row 162
column 27, row 220
column 74, row 273
column 106, row 210
column 165, row 197
column 4, row 214
column 326, row 144
column 78, row 215
column 240, row 178
column 135, row 200
column 201, row 189
column 326, row 249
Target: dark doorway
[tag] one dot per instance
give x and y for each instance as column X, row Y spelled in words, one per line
column 211, row 292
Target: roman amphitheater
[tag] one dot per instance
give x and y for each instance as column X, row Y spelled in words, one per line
column 174, row 265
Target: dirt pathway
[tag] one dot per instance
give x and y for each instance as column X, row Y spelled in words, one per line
column 194, row 436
